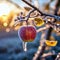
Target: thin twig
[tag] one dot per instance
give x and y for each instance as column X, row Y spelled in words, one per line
column 32, row 6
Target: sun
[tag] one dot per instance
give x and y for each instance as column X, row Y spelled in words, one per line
column 4, row 9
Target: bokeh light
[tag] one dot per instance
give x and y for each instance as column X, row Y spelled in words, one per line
column 5, row 24
column 7, row 29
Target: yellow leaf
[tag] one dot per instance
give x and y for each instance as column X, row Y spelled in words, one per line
column 39, row 22
column 51, row 43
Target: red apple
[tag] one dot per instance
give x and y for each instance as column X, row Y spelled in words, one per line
column 27, row 33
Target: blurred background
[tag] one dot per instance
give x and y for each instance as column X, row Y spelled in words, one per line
column 10, row 44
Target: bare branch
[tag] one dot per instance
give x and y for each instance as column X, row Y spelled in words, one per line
column 54, row 16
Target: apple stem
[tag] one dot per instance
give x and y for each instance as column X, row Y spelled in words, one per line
column 27, row 22
column 25, row 46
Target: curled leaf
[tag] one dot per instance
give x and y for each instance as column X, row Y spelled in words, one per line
column 39, row 22
column 51, row 43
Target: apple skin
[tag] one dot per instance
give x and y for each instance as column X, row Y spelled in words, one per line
column 27, row 33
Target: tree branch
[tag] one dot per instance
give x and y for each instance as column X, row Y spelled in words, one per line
column 54, row 16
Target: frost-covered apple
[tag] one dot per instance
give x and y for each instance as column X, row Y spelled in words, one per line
column 27, row 33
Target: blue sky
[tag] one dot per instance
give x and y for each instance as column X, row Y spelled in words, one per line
column 22, row 4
